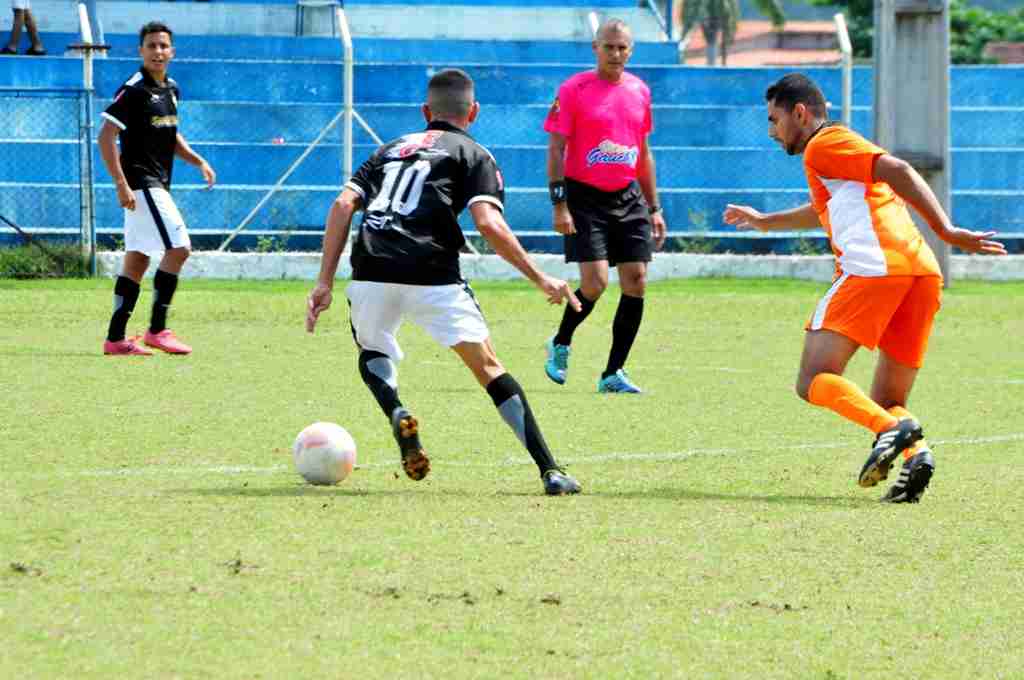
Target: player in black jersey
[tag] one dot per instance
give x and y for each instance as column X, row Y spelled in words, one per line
column 405, row 264
column 144, row 115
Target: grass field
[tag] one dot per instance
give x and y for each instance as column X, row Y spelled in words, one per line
column 152, row 526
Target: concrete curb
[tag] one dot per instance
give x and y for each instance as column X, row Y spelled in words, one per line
column 306, row 266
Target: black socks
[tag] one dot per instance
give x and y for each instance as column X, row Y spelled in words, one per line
column 508, row 397
column 126, row 294
column 624, row 329
column 571, row 319
column 381, row 376
column 164, row 285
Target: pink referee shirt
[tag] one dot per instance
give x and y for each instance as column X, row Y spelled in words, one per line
column 604, row 125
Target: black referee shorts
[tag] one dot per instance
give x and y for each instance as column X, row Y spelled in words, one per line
column 610, row 225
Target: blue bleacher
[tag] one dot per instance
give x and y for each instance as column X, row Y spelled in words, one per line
column 252, row 118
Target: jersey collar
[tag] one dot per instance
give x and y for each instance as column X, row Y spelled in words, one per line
column 148, row 79
column 447, row 127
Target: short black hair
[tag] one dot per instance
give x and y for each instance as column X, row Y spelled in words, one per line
column 796, row 88
column 154, row 27
column 450, row 93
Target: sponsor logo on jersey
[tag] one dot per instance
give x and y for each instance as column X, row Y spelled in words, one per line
column 420, row 141
column 610, row 153
column 163, row 121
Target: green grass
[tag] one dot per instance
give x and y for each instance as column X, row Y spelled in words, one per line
column 151, row 524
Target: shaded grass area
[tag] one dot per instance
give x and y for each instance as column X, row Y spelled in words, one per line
column 152, row 525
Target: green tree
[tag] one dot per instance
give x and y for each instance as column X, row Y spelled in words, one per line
column 718, row 19
column 970, row 28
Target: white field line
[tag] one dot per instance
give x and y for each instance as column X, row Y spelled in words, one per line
column 164, row 470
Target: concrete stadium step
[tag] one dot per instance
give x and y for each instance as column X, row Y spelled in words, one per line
column 305, row 207
column 386, row 50
column 471, row 20
column 976, row 86
column 522, row 166
column 682, row 125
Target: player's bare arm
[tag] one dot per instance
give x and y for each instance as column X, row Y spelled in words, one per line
column 112, row 160
column 492, row 226
column 185, row 152
column 646, row 175
column 911, row 187
column 744, row 217
column 339, row 220
column 561, row 219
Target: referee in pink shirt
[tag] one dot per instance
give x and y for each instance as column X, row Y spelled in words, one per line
column 602, row 185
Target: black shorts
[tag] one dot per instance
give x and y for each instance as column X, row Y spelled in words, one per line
column 610, row 225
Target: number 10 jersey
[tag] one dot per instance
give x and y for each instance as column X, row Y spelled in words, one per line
column 413, row 190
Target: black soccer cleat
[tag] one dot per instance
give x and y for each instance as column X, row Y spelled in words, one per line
column 888, row 445
column 406, row 430
column 557, row 483
column 913, row 480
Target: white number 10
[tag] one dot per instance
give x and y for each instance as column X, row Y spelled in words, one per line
column 391, row 196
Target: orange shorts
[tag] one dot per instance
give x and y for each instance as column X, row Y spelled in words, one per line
column 893, row 313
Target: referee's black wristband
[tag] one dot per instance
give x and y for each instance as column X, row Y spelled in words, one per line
column 557, row 191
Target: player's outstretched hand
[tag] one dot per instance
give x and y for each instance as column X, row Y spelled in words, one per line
column 318, row 301
column 742, row 217
column 658, row 229
column 975, row 241
column 125, row 196
column 557, row 290
column 208, row 174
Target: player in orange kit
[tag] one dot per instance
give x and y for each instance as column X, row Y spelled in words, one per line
column 888, row 285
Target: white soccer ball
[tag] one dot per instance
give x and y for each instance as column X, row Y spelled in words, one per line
column 325, row 453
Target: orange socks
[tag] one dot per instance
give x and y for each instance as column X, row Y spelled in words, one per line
column 902, row 413
column 838, row 394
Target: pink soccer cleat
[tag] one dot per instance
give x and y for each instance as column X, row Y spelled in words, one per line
column 128, row 346
column 166, row 341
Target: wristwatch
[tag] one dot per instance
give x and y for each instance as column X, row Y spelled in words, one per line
column 654, row 209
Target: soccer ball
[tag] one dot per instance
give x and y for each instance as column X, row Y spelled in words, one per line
column 325, row 453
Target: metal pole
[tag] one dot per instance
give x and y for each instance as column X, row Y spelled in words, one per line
column 88, row 200
column 96, row 23
column 280, row 182
column 346, row 42
column 846, row 48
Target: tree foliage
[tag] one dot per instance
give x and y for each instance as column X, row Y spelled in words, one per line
column 718, row 19
column 971, row 28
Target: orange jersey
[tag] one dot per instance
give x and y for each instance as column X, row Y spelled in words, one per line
column 868, row 225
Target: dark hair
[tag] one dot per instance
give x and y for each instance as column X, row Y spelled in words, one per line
column 450, row 93
column 796, row 88
column 154, row 27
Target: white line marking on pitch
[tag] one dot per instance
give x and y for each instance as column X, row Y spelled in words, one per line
column 523, row 460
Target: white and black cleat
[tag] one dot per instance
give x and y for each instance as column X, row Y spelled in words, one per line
column 889, row 444
column 913, row 480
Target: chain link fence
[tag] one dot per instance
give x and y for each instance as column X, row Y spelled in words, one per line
column 44, row 177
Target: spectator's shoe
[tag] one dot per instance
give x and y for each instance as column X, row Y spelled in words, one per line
column 557, row 364
column 913, row 480
column 166, row 341
column 406, row 430
column 888, row 445
column 7, row 49
column 617, row 383
column 127, row 346
column 557, row 483
column 36, row 51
